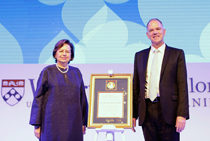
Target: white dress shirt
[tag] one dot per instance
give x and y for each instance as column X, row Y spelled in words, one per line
column 161, row 51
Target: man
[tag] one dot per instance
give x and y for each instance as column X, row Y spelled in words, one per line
column 160, row 94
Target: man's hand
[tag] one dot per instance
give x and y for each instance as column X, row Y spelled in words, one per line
column 180, row 123
column 134, row 125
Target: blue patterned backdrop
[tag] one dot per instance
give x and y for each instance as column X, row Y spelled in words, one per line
column 103, row 31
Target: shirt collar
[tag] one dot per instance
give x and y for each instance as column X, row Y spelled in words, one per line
column 160, row 49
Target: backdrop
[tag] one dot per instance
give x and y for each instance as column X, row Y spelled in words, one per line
column 103, row 31
column 15, row 113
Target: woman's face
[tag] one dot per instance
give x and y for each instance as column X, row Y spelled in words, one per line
column 63, row 55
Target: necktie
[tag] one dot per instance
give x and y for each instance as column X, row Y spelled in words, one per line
column 153, row 83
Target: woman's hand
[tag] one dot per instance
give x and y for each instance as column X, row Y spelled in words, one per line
column 83, row 129
column 37, row 132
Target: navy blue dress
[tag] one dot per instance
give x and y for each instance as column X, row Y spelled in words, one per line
column 60, row 105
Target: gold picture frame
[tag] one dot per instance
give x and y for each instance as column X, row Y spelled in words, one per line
column 110, row 101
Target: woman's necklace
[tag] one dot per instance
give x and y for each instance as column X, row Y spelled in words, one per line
column 61, row 70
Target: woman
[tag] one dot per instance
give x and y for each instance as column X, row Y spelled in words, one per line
column 59, row 109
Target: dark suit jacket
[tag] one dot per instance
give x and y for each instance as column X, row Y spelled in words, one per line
column 172, row 86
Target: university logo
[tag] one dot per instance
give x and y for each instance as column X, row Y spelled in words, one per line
column 12, row 91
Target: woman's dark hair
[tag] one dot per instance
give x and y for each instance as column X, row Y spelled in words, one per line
column 60, row 44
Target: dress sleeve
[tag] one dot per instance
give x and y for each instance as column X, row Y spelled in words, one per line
column 36, row 109
column 84, row 103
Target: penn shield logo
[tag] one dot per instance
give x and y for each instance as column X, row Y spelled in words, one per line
column 12, row 91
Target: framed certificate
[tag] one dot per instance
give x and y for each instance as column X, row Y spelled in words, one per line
column 110, row 100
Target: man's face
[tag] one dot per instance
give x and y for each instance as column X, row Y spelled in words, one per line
column 156, row 33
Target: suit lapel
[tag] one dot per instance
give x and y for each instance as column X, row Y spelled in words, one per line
column 165, row 59
column 145, row 61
